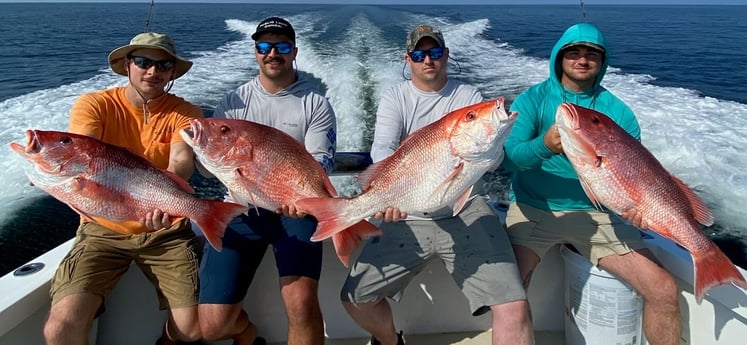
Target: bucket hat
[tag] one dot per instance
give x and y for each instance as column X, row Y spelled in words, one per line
column 150, row 40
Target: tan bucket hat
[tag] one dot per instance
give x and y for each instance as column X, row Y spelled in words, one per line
column 152, row 40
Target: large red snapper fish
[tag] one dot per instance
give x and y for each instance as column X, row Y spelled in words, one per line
column 616, row 171
column 97, row 179
column 435, row 166
column 265, row 167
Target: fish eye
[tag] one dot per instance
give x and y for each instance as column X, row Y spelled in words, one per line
column 66, row 140
column 470, row 115
column 225, row 129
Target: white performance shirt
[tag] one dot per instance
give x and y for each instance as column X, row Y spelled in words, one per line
column 299, row 110
column 404, row 109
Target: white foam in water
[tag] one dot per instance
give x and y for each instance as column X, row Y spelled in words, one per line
column 698, row 139
column 215, row 73
column 341, row 72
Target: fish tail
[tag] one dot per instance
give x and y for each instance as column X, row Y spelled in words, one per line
column 347, row 241
column 713, row 268
column 328, row 213
column 213, row 223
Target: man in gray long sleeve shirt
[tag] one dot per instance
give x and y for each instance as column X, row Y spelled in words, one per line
column 297, row 109
column 278, row 97
column 486, row 271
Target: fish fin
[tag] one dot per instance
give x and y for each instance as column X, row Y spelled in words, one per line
column 462, row 200
column 701, row 212
column 329, row 186
column 590, row 194
column 236, row 198
column 348, row 240
column 713, row 268
column 213, row 223
column 327, row 212
column 79, row 184
column 366, row 176
column 247, row 181
column 82, row 214
column 180, row 182
column 444, row 186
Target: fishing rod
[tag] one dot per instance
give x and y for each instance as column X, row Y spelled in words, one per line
column 150, row 15
column 583, row 10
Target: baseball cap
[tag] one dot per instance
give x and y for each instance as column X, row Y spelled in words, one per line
column 275, row 25
column 587, row 44
column 419, row 33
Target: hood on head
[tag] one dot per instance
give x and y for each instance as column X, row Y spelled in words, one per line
column 581, row 33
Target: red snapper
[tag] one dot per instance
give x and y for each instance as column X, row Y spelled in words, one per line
column 435, row 166
column 265, row 167
column 97, row 179
column 616, row 171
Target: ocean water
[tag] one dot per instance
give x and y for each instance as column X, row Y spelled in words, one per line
column 682, row 69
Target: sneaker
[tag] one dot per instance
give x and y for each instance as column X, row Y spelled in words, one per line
column 400, row 339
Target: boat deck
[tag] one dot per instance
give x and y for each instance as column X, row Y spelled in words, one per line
column 461, row 338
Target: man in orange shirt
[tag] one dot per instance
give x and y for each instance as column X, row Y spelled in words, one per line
column 144, row 118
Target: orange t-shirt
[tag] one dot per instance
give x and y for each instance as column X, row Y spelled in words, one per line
column 108, row 115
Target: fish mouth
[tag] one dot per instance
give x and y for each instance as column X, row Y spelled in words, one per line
column 193, row 134
column 574, row 142
column 503, row 119
column 567, row 117
column 503, row 115
column 32, row 144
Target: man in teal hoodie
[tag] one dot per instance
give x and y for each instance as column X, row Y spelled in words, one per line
column 548, row 204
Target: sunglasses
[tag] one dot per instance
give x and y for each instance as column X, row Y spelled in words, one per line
column 264, row 48
column 146, row 63
column 435, row 53
column 576, row 54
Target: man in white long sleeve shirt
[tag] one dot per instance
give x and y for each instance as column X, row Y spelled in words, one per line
column 281, row 98
column 486, row 271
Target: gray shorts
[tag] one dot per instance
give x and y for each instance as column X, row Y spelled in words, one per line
column 486, row 271
column 594, row 234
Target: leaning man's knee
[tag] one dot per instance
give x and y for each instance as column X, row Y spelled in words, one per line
column 59, row 331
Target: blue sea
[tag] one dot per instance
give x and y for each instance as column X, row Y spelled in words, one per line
column 682, row 69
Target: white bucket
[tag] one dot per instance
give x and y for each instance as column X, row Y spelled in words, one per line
column 599, row 308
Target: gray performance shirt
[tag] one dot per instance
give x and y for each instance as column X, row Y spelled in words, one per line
column 299, row 110
column 403, row 109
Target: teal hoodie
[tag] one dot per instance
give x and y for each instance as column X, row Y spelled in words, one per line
column 539, row 177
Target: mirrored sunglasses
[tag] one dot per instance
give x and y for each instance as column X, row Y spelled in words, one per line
column 264, row 48
column 435, row 53
column 146, row 63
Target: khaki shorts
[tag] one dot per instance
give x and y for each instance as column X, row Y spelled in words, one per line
column 100, row 257
column 473, row 246
column 594, row 234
